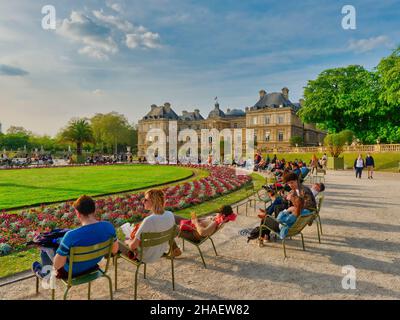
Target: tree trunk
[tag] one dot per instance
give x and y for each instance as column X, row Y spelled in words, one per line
column 79, row 148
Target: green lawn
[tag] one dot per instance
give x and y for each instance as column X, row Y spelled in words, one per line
column 21, row 261
column 37, row 186
column 384, row 161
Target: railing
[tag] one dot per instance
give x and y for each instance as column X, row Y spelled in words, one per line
column 322, row 149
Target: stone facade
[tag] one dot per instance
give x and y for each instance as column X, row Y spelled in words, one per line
column 274, row 120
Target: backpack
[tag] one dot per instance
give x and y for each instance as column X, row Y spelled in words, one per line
column 255, row 233
column 49, row 239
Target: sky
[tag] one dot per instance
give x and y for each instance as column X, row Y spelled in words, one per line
column 125, row 55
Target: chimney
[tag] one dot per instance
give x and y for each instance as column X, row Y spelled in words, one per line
column 262, row 93
column 285, row 93
column 184, row 112
column 167, row 106
column 153, row 106
column 247, row 109
column 228, row 110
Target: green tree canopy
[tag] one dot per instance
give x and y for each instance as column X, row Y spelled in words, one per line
column 365, row 102
column 112, row 129
column 77, row 131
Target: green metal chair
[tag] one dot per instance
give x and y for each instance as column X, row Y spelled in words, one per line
column 82, row 254
column 262, row 196
column 250, row 195
column 294, row 230
column 197, row 244
column 149, row 239
column 318, row 217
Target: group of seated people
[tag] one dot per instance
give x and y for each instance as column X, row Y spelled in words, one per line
column 288, row 202
column 26, row 160
column 102, row 159
column 286, row 207
column 92, row 232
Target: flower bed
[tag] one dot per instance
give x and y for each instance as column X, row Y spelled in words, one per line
column 17, row 229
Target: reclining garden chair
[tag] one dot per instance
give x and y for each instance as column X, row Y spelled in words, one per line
column 149, row 239
column 83, row 254
column 296, row 229
column 198, row 243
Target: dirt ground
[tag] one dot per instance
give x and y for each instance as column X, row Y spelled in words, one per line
column 361, row 228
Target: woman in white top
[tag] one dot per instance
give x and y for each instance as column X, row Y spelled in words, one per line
column 159, row 221
column 359, row 166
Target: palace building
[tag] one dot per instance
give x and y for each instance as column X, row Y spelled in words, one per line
column 274, row 120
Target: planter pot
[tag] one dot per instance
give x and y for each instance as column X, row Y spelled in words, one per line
column 335, row 163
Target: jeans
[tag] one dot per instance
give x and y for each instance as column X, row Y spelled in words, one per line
column 47, row 256
column 358, row 172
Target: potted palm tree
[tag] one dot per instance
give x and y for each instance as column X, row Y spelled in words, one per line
column 335, row 143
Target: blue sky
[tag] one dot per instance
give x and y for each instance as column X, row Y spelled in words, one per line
column 124, row 55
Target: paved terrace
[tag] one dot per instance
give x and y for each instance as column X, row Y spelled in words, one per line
column 361, row 225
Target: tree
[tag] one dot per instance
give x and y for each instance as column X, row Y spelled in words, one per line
column 111, row 129
column 388, row 72
column 296, row 140
column 365, row 102
column 336, row 141
column 77, row 131
column 18, row 130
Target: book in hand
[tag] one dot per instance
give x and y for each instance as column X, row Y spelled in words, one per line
column 127, row 230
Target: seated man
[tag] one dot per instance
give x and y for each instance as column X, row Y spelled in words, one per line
column 276, row 201
column 317, row 188
column 90, row 233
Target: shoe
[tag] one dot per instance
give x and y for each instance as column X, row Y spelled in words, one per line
column 261, row 216
column 37, row 269
column 177, row 252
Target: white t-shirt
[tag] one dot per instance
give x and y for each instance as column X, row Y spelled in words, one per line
column 156, row 223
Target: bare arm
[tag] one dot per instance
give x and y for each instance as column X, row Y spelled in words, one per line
column 133, row 244
column 59, row 261
column 114, row 249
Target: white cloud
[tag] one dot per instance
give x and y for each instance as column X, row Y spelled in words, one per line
column 114, row 6
column 97, row 39
column 98, row 92
column 121, row 24
column 135, row 36
column 148, row 40
column 364, row 45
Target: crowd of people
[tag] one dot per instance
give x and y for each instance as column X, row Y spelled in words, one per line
column 104, row 159
column 289, row 199
column 25, row 160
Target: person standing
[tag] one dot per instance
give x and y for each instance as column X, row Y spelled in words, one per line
column 314, row 164
column 359, row 166
column 370, row 164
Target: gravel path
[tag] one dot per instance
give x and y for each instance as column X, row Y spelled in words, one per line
column 361, row 225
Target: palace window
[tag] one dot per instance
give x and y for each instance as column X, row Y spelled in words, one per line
column 280, row 136
column 267, row 136
column 267, row 119
column 281, row 119
column 254, row 121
